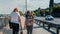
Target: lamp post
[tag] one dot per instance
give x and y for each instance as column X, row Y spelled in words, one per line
column 26, row 5
column 51, row 6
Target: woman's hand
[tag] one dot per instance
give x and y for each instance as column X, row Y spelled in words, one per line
column 24, row 26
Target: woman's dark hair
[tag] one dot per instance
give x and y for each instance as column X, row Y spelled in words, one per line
column 28, row 12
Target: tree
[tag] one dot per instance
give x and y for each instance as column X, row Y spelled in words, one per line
column 56, row 10
column 51, row 6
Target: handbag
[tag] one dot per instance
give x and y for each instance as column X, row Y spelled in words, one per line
column 10, row 24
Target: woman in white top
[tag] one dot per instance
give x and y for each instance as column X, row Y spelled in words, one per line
column 15, row 20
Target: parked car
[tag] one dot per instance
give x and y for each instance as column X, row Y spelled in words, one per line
column 49, row 17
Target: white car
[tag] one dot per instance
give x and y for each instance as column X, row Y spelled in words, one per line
column 49, row 17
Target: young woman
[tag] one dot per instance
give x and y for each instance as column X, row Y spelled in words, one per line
column 15, row 20
column 29, row 22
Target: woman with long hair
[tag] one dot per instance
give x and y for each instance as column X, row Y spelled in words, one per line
column 15, row 20
column 29, row 22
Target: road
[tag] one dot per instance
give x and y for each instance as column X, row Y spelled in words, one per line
column 55, row 21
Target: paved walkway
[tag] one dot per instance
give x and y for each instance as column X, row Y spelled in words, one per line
column 40, row 30
column 6, row 30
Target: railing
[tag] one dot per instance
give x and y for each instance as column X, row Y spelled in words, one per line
column 49, row 25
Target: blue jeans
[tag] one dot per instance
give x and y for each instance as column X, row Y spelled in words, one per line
column 29, row 29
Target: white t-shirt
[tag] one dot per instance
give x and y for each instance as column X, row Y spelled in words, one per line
column 14, row 17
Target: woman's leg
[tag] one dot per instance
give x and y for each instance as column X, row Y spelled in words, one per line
column 15, row 28
column 14, row 31
column 31, row 29
column 12, row 24
column 27, row 29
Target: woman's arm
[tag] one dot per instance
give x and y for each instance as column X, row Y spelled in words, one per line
column 19, row 19
column 33, row 19
column 25, row 23
column 9, row 18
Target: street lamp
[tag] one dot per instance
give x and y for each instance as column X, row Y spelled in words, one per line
column 51, row 6
column 26, row 5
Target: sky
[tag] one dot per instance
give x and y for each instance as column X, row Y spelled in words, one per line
column 7, row 6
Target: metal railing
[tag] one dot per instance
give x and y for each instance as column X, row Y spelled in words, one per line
column 49, row 25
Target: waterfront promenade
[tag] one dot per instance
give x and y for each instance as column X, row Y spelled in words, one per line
column 36, row 29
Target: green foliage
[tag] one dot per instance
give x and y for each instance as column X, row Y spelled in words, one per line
column 46, row 11
column 33, row 12
column 56, row 6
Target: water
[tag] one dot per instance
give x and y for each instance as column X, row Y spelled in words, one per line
column 3, row 21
